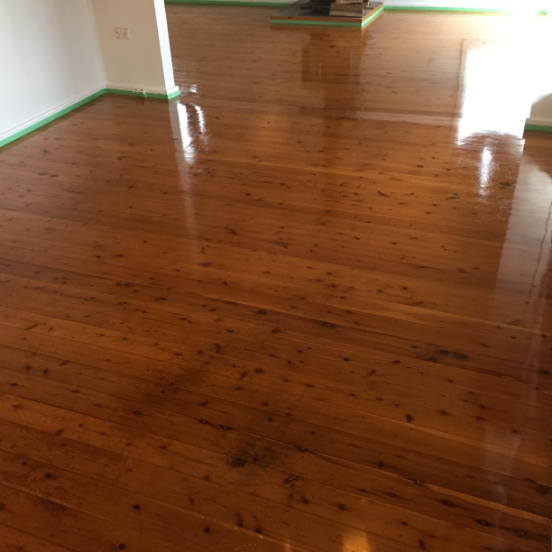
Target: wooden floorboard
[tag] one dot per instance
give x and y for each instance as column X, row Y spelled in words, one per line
column 302, row 309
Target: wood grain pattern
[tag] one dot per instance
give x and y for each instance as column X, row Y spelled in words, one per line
column 301, row 310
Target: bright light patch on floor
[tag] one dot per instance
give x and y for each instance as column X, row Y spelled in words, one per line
column 192, row 128
column 503, row 78
column 494, row 100
column 485, row 167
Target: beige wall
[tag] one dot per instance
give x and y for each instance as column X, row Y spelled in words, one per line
column 49, row 60
column 142, row 62
column 541, row 110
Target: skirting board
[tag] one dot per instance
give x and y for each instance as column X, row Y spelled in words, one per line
column 540, row 128
column 150, row 95
column 447, row 9
column 61, row 113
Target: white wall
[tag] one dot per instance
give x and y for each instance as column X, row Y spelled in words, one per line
column 505, row 5
column 541, row 110
column 54, row 53
column 144, row 61
column 49, row 60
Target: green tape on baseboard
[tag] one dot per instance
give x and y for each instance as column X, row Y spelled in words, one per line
column 372, row 17
column 149, row 95
column 49, row 119
column 320, row 23
column 540, row 128
column 437, row 8
column 57, row 115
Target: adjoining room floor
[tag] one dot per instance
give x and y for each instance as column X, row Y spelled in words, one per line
column 305, row 308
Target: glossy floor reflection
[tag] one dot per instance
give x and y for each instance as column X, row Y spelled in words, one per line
column 306, row 308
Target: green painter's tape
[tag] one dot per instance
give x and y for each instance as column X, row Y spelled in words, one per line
column 149, row 95
column 372, row 17
column 540, row 128
column 29, row 129
column 437, row 8
column 322, row 23
column 49, row 119
column 173, row 95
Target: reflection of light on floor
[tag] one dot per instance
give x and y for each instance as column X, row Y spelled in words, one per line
column 184, row 129
column 200, row 119
column 189, row 131
column 528, row 244
column 501, row 79
column 485, row 169
column 192, row 89
column 496, row 96
column 524, row 271
column 356, row 542
column 192, row 126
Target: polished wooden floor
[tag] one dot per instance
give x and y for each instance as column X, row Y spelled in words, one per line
column 306, row 308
